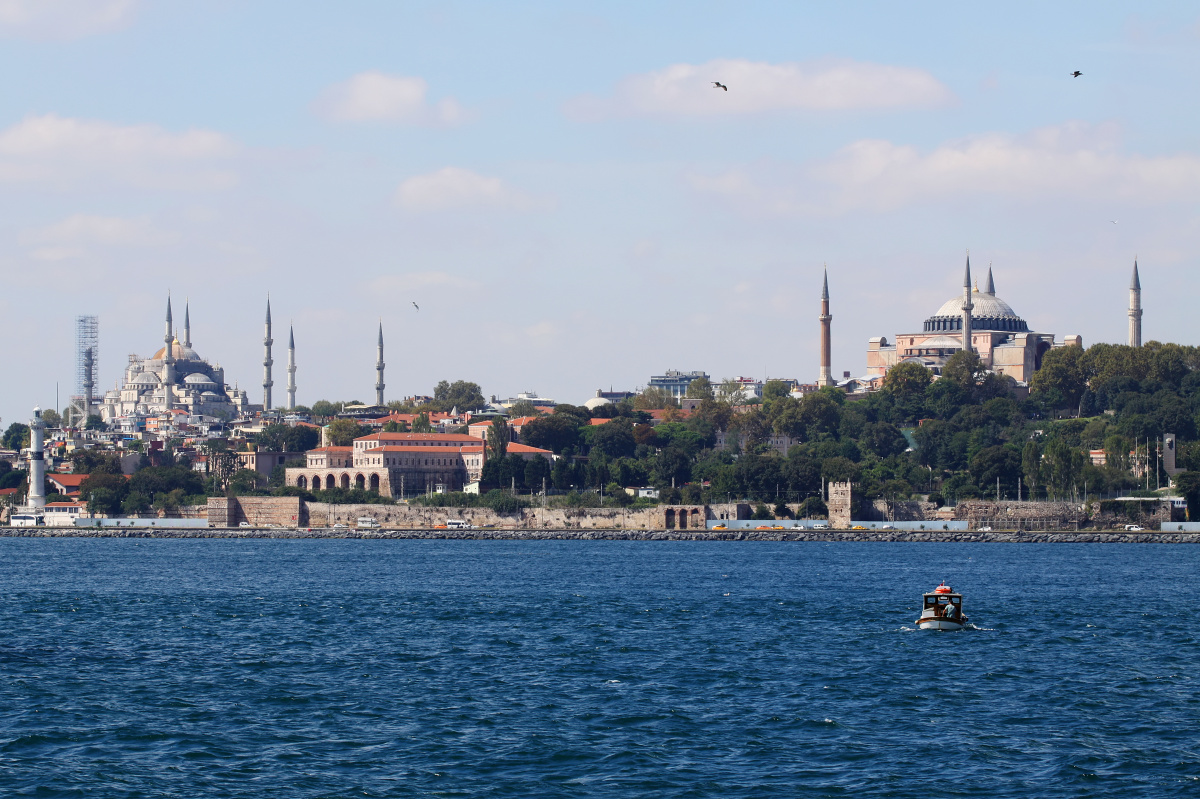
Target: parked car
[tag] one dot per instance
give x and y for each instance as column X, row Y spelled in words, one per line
column 985, row 529
column 1133, row 528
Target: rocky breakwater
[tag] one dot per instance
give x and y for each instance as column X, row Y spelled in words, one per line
column 916, row 536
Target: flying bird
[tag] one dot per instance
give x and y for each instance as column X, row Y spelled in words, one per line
column 418, row 307
column 717, row 85
column 1113, row 221
column 1076, row 74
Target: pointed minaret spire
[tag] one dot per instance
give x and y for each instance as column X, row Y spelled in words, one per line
column 379, row 385
column 168, row 377
column 967, row 306
column 187, row 323
column 825, row 378
column 291, row 389
column 268, row 362
column 1135, row 307
column 991, row 284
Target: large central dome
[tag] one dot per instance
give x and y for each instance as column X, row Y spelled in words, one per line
column 989, row 313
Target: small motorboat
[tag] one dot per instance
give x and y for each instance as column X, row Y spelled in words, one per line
column 942, row 610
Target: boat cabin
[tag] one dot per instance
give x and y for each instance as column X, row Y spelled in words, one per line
column 944, row 603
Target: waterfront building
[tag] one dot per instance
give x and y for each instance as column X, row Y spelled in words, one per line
column 396, row 464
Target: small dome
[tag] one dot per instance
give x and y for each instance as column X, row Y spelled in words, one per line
column 198, row 379
column 596, row 402
column 146, row 379
column 210, row 396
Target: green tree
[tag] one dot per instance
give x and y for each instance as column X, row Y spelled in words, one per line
column 654, row 398
column 324, row 408
column 556, row 432
column 701, row 388
column 1062, row 375
column 523, row 408
column 422, row 424
column 964, row 369
column 883, row 439
column 464, row 395
column 497, row 439
column 998, row 462
column 907, row 379
column 52, row 418
column 615, row 439
column 135, row 503
column 16, row 436
column 342, row 432
column 244, row 481
column 1188, row 486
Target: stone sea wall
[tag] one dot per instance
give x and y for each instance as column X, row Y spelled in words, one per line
column 931, row 536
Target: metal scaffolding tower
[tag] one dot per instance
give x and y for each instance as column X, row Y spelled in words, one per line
column 87, row 361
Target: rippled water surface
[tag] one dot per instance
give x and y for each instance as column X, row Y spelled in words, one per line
column 201, row 668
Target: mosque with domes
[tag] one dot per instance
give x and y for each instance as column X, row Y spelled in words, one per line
column 977, row 320
column 174, row 378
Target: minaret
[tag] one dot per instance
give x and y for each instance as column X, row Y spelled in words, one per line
column 37, row 462
column 967, row 306
column 826, row 379
column 267, row 362
column 187, row 324
column 89, row 381
column 168, row 358
column 1135, row 308
column 291, row 369
column 379, row 368
column 991, row 284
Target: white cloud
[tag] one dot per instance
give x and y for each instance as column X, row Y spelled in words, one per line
column 756, row 87
column 64, row 19
column 453, row 188
column 1067, row 161
column 54, row 151
column 377, row 97
column 71, row 237
column 1071, row 160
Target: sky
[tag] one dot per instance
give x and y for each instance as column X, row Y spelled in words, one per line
column 566, row 196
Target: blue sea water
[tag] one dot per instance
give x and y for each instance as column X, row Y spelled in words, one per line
column 225, row 668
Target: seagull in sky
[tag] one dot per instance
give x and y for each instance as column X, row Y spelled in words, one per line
column 1076, row 74
column 418, row 307
column 1113, row 221
column 718, row 85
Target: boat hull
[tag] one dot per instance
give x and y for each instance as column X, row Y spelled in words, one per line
column 939, row 624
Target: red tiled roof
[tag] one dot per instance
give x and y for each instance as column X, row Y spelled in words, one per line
column 527, row 449
column 521, row 421
column 430, row 451
column 67, row 480
column 594, row 422
column 463, row 437
column 7, row 491
column 332, row 449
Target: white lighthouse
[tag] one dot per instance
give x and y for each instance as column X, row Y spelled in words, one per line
column 37, row 462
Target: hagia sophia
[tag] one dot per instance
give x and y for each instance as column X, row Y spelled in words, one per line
column 977, row 320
